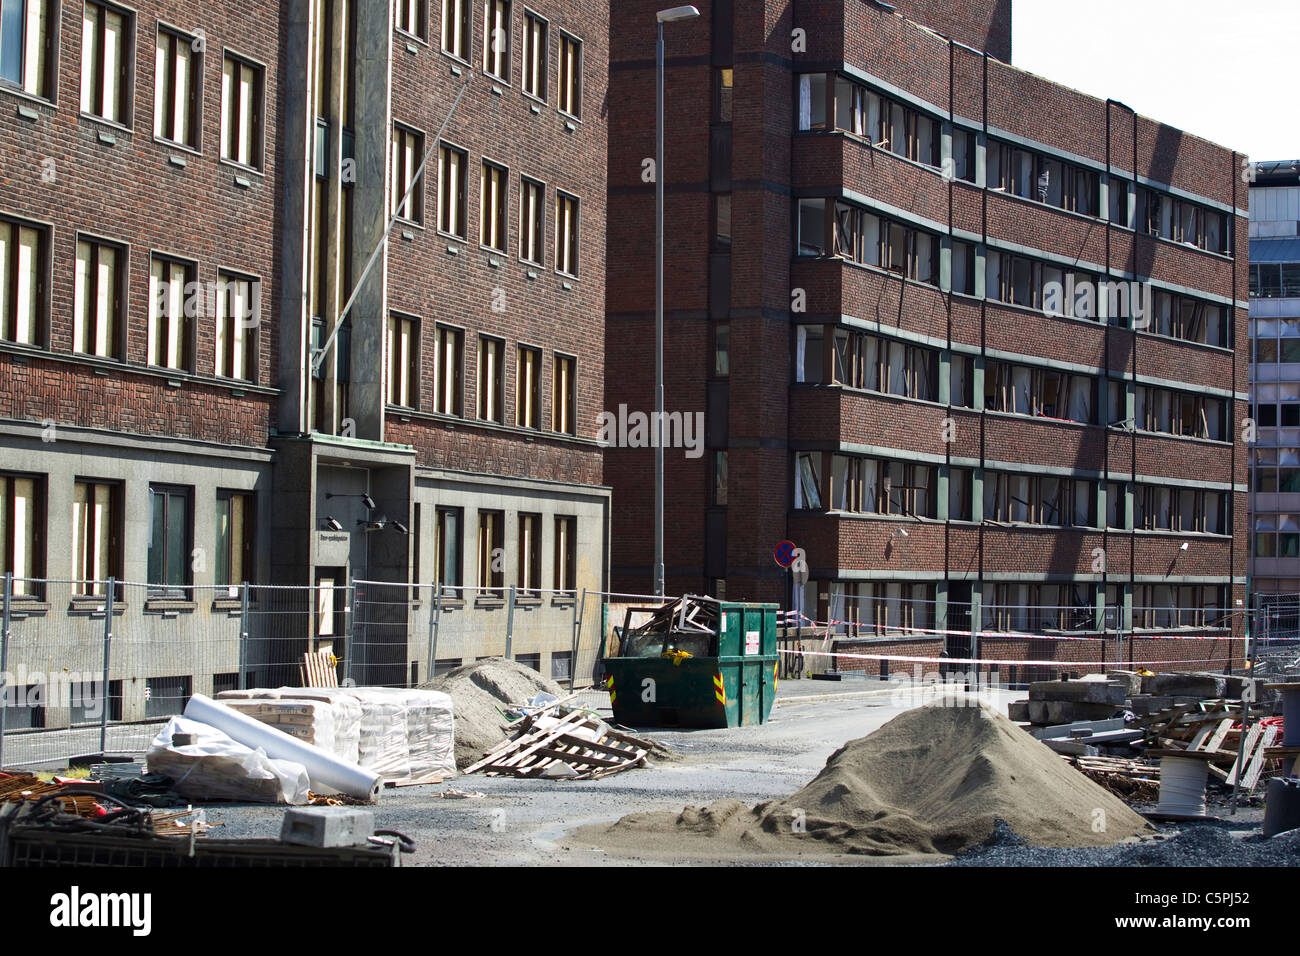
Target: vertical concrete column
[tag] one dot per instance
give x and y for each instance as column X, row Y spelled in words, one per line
column 373, row 74
column 296, row 137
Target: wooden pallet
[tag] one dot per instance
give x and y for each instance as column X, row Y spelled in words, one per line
column 557, row 735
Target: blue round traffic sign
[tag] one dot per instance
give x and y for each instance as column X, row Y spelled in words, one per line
column 784, row 553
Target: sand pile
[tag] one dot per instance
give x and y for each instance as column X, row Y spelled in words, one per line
column 932, row 780
column 479, row 692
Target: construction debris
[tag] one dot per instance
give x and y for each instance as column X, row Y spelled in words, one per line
column 562, row 742
column 691, row 621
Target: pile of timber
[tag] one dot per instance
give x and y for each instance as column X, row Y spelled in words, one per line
column 559, row 742
column 1128, row 779
column 1212, row 726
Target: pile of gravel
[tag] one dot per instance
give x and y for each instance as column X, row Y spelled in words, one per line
column 934, row 780
column 1195, row 844
column 479, row 693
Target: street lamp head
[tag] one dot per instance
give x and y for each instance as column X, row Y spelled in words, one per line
column 677, row 13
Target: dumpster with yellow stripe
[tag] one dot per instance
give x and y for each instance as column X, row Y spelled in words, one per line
column 696, row 663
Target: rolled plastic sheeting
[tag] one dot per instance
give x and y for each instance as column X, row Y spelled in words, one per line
column 323, row 768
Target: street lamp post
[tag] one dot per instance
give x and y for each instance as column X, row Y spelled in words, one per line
column 662, row 17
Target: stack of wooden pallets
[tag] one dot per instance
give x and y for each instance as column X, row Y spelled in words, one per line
column 560, row 742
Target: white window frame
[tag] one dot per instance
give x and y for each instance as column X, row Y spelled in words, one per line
column 169, row 341
column 563, row 265
column 96, row 89
column 497, row 15
column 568, row 98
column 235, row 345
column 494, row 206
column 457, row 29
column 38, row 49
column 103, row 337
column 184, row 107
column 24, row 306
column 453, row 196
column 535, row 55
column 249, row 150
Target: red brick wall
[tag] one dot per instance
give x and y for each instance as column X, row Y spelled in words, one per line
column 494, row 121
column 129, row 193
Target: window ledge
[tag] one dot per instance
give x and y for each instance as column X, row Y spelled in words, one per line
column 172, row 144
column 241, row 167
column 21, row 94
column 227, row 604
column 1184, row 246
column 562, row 600
column 106, row 122
column 167, row 605
column 415, row 37
column 490, row 604
column 450, row 604
column 91, row 603
column 527, row 600
column 24, row 606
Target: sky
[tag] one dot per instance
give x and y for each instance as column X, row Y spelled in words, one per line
column 1225, row 70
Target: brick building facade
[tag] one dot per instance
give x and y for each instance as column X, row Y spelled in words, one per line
column 878, row 239
column 189, row 193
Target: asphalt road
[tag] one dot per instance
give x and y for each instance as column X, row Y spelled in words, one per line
column 523, row 821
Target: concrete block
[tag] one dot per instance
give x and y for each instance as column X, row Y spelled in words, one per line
column 1065, row 730
column 327, row 826
column 1199, row 686
column 1144, row 704
column 1131, row 680
column 1081, row 691
column 1018, row 710
column 1066, row 711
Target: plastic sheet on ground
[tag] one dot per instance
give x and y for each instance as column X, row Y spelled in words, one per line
column 215, row 767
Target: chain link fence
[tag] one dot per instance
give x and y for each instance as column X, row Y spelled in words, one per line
column 83, row 676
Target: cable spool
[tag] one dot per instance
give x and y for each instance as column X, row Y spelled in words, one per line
column 1182, row 783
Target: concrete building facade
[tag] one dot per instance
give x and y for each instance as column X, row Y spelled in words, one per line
column 1275, row 378
column 879, row 237
column 191, row 193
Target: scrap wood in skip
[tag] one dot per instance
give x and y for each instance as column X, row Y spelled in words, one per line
column 560, row 742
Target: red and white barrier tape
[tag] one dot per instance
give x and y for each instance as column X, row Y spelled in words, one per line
column 986, row 660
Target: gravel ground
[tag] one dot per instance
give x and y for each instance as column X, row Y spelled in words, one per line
column 526, row 822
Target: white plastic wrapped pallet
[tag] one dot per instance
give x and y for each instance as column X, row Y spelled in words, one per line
column 309, row 720
column 324, row 768
column 428, row 722
column 213, row 766
column 345, row 712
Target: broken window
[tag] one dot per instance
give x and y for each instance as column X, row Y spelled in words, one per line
column 807, row 482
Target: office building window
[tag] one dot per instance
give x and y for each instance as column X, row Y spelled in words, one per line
column 447, row 393
column 238, row 317
column 447, row 548
column 491, row 551
column 496, row 39
column 96, row 535
column 722, row 350
column 1043, row 178
column 106, row 52
column 456, row 28
column 451, row 191
column 566, row 233
column 408, row 152
column 98, row 299
column 570, row 75
column 721, row 222
column 535, row 53
column 234, row 561
column 493, row 203
column 26, row 45
column 720, row 478
column 1043, row 392
column 491, row 376
column 564, row 395
column 403, row 360
column 241, row 112
column 532, row 220
column 410, row 17
column 1179, row 220
column 530, row 554
column 178, row 76
column 528, row 388
column 22, row 520
column 566, row 543
column 170, row 535
column 171, row 317
column 724, row 80
column 24, row 251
